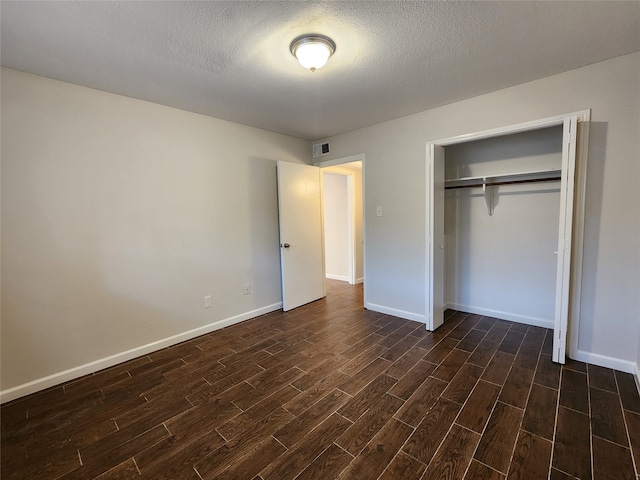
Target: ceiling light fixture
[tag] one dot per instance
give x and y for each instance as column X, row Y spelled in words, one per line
column 312, row 50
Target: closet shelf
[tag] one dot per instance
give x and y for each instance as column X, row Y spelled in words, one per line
column 490, row 183
column 504, row 179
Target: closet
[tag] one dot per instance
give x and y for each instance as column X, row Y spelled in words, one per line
column 501, row 226
column 502, row 207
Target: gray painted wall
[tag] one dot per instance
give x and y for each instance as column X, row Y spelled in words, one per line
column 119, row 216
column 395, row 179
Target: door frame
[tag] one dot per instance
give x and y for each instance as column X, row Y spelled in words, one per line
column 336, row 163
column 580, row 179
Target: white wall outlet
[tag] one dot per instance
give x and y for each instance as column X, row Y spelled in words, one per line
column 207, row 301
column 378, row 211
column 246, row 289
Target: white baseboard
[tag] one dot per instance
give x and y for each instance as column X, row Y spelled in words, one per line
column 359, row 280
column 580, row 355
column 342, row 278
column 512, row 317
column 609, row 362
column 605, row 361
column 418, row 317
column 100, row 364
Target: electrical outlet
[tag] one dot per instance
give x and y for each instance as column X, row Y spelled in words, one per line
column 246, row 289
column 207, row 301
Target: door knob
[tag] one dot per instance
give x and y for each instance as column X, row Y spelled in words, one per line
column 286, row 245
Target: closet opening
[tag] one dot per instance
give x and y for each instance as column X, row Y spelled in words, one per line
column 501, row 214
column 504, row 226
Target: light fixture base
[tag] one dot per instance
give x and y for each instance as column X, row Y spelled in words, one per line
column 312, row 50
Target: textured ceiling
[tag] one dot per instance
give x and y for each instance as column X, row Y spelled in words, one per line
column 231, row 60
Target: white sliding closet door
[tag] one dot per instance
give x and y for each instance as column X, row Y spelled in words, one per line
column 563, row 276
column 435, row 237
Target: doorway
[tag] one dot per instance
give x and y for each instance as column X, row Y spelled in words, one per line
column 339, row 222
column 300, row 212
column 343, row 199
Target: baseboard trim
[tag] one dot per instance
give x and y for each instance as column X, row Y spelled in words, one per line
column 418, row 317
column 512, row 317
column 100, row 364
column 342, row 278
column 359, row 280
column 608, row 362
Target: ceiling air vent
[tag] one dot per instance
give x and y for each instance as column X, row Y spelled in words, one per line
column 320, row 149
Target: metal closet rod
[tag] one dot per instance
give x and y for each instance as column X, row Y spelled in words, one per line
column 505, row 182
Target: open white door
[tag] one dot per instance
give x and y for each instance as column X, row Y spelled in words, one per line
column 567, row 184
column 435, row 237
column 301, row 243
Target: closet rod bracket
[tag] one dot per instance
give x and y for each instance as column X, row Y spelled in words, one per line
column 489, row 195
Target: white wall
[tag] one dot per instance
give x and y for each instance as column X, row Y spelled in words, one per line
column 395, row 179
column 118, row 217
column 336, row 226
column 504, row 265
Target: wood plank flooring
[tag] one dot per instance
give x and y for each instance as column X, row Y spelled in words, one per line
column 331, row 390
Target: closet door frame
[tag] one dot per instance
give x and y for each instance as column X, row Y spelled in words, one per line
column 571, row 228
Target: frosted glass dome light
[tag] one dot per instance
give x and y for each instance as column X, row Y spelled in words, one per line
column 312, row 51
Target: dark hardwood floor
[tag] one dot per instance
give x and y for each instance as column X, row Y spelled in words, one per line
column 331, row 390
